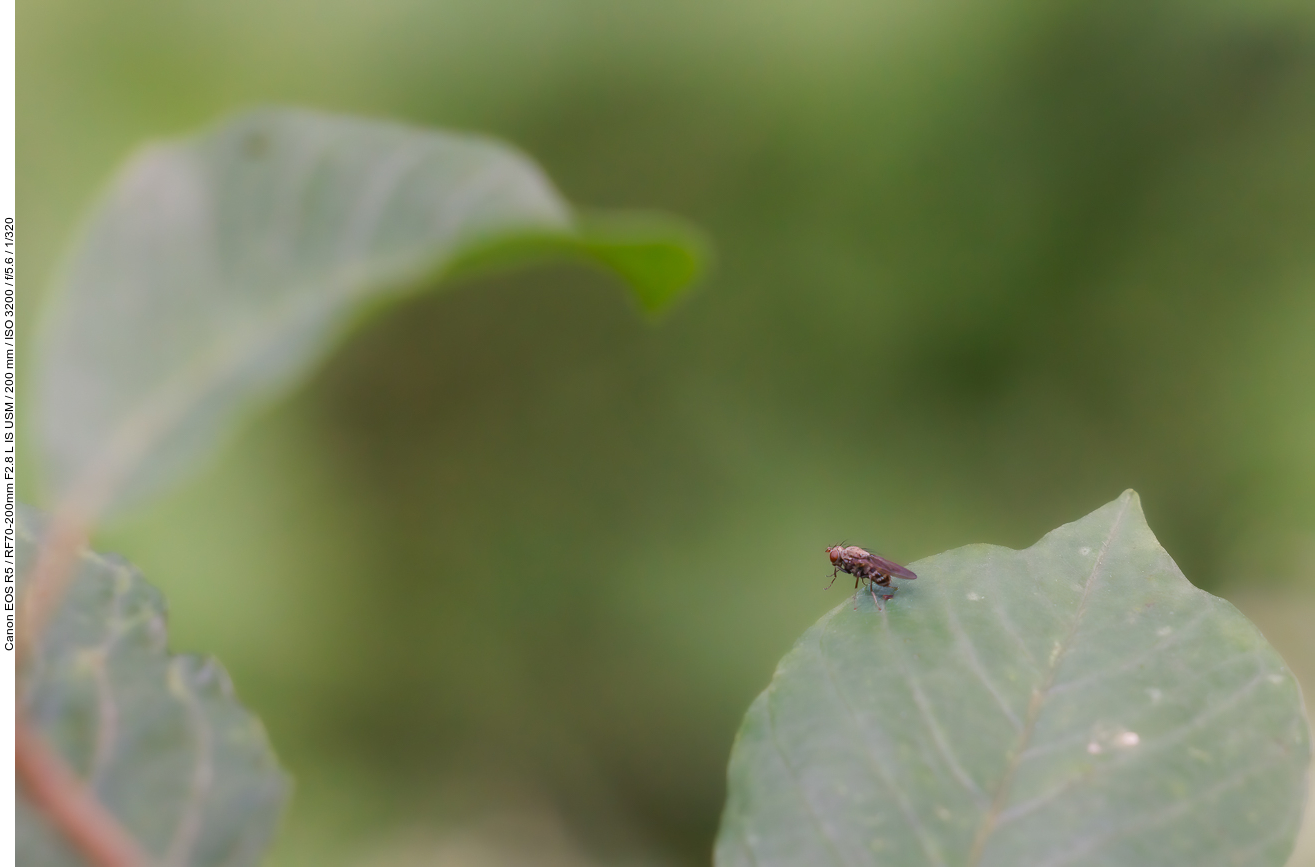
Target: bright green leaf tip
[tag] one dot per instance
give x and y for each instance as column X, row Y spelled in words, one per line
column 659, row 257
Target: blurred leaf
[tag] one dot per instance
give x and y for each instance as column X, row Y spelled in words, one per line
column 1076, row 703
column 159, row 738
column 219, row 269
column 659, row 257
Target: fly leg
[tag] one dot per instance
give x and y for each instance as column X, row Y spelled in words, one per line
column 884, row 581
column 834, row 573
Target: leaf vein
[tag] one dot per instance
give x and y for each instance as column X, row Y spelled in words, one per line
column 1095, row 842
column 975, row 663
column 928, row 717
column 929, row 847
column 189, row 823
column 1129, row 664
column 1173, row 734
column 799, row 787
column 1008, row 625
column 107, row 708
column 989, row 819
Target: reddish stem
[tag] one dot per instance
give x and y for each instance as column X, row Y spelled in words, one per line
column 56, row 563
column 69, row 805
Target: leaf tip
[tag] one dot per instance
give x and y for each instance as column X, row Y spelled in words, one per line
column 659, row 257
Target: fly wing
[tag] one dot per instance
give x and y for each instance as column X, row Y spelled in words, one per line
column 890, row 567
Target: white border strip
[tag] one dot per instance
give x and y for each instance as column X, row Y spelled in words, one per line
column 8, row 430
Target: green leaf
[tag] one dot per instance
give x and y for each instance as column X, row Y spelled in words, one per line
column 159, row 738
column 219, row 269
column 1078, row 703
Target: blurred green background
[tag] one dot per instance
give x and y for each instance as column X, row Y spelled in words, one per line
column 502, row 579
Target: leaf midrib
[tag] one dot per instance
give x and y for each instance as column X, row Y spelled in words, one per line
column 1034, row 706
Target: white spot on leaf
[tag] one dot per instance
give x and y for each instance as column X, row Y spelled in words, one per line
column 1155, row 695
column 1094, row 748
column 974, row 597
column 1163, row 631
column 1084, row 551
column 1128, row 739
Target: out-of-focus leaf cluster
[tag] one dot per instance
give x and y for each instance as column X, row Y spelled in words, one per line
column 160, row 740
column 216, row 273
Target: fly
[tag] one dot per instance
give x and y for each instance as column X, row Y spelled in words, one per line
column 867, row 568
